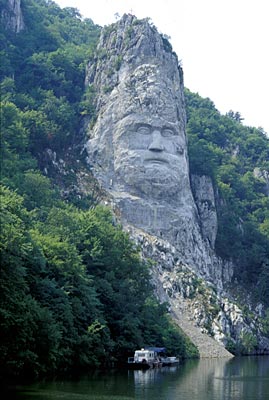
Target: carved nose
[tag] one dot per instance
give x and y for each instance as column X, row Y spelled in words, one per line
column 156, row 144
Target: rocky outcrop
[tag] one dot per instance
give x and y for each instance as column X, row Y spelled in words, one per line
column 263, row 175
column 137, row 151
column 207, row 346
column 11, row 16
column 203, row 312
column 137, row 148
column 205, row 200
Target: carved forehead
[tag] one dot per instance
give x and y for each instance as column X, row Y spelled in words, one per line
column 149, row 80
column 137, row 119
column 148, row 91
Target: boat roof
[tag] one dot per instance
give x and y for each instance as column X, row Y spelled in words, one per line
column 156, row 349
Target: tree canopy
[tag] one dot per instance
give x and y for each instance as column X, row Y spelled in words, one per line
column 74, row 292
column 236, row 157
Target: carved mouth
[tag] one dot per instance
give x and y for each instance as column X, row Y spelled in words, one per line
column 156, row 161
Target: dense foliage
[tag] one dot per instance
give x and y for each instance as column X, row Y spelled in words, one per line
column 236, row 157
column 43, row 71
column 74, row 292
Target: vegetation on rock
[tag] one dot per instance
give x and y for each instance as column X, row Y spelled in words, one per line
column 74, row 293
column 236, row 157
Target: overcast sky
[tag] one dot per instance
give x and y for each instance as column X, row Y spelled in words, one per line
column 223, row 46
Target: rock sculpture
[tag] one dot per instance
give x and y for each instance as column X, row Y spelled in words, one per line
column 137, row 150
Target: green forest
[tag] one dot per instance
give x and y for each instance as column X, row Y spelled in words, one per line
column 235, row 157
column 74, row 292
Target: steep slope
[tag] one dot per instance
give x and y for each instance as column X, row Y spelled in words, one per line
column 58, row 253
column 207, row 346
column 137, row 150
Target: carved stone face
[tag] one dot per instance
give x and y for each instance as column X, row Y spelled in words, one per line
column 138, row 144
column 149, row 155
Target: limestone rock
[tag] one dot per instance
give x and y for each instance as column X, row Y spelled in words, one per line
column 263, row 175
column 197, row 306
column 12, row 17
column 137, row 148
column 137, row 151
column 205, row 199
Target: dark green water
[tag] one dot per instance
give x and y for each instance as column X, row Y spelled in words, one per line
column 237, row 379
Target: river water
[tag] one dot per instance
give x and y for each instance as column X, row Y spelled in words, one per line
column 245, row 378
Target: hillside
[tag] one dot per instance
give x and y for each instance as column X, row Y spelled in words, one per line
column 74, row 291
column 236, row 157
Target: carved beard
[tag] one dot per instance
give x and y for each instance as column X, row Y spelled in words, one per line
column 154, row 182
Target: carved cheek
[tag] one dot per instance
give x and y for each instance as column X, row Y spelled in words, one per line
column 172, row 147
column 179, row 149
column 137, row 142
column 143, row 142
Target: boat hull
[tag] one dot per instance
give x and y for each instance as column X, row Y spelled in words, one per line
column 170, row 361
column 144, row 365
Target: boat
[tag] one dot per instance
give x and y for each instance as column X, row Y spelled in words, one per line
column 169, row 361
column 151, row 357
column 145, row 359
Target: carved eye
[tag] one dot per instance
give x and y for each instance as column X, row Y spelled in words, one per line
column 167, row 132
column 143, row 130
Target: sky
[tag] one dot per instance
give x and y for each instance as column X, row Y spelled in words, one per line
column 222, row 46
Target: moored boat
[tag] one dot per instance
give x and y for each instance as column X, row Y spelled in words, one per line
column 169, row 361
column 151, row 357
column 145, row 359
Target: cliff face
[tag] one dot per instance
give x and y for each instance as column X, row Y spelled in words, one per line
column 137, row 150
column 204, row 196
column 11, row 16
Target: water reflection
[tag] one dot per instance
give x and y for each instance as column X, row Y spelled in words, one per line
column 248, row 379
column 236, row 379
column 207, row 379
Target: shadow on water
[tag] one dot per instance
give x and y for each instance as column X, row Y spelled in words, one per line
column 206, row 379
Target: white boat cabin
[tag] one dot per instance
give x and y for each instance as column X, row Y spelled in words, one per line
column 144, row 355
